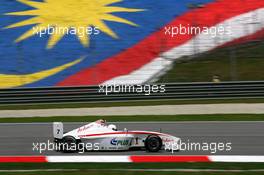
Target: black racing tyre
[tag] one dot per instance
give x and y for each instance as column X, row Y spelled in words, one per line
column 69, row 144
column 153, row 143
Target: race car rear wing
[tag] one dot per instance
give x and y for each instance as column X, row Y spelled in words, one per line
column 58, row 130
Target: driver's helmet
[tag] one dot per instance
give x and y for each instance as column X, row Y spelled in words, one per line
column 101, row 122
column 112, row 127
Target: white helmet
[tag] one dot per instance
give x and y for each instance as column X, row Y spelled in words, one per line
column 113, row 127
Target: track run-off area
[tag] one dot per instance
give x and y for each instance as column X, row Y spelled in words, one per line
column 239, row 108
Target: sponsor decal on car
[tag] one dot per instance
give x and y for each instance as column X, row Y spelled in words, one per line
column 120, row 142
column 81, row 129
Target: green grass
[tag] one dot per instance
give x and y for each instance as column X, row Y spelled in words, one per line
column 89, row 172
column 107, row 172
column 249, row 65
column 139, row 103
column 147, row 118
column 111, row 168
column 82, row 166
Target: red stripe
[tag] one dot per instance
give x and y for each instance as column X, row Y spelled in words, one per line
column 23, row 159
column 130, row 132
column 159, row 159
column 148, row 49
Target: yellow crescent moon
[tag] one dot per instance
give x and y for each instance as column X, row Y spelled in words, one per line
column 11, row 81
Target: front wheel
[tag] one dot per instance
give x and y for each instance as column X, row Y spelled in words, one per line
column 153, row 143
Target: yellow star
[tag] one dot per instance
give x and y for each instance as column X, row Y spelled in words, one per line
column 70, row 14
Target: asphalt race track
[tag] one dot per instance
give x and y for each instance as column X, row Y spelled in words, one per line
column 247, row 138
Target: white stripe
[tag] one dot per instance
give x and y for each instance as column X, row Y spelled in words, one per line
column 242, row 25
column 94, row 159
column 143, row 74
column 236, row 158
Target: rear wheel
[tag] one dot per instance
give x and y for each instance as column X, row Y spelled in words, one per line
column 69, row 144
column 153, row 143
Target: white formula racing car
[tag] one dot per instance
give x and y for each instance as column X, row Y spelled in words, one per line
column 102, row 137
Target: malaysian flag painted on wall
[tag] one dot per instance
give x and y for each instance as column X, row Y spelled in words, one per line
column 88, row 42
